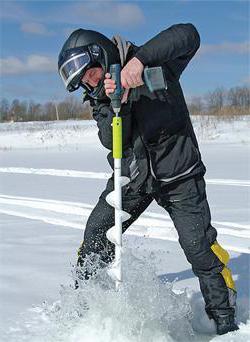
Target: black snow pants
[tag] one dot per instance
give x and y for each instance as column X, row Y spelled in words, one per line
column 186, row 202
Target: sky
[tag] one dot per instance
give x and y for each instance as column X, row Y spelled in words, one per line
column 33, row 32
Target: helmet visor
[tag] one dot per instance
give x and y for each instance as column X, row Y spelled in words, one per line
column 73, row 67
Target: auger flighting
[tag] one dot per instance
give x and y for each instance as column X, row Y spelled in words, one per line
column 114, row 234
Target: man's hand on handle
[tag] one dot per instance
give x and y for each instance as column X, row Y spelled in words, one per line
column 131, row 77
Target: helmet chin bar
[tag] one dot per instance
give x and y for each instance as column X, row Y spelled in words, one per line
column 87, row 87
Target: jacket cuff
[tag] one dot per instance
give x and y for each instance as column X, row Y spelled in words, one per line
column 143, row 59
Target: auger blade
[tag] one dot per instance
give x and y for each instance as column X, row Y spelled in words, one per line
column 112, row 236
column 124, row 180
column 110, row 198
column 125, row 216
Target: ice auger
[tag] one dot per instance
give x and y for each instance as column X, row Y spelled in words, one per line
column 114, row 198
column 154, row 79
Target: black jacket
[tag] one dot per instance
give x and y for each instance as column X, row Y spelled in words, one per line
column 158, row 136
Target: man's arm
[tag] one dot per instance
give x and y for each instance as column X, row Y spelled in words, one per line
column 174, row 46
column 103, row 115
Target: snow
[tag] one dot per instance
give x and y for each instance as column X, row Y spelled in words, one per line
column 52, row 174
column 60, row 134
column 73, row 134
column 222, row 130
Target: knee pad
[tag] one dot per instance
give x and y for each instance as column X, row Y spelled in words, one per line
column 223, row 256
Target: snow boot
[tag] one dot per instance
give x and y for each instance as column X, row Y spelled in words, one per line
column 225, row 323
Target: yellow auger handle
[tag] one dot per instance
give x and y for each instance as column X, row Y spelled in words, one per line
column 117, row 137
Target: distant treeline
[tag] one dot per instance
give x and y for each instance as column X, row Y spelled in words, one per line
column 235, row 101
column 69, row 108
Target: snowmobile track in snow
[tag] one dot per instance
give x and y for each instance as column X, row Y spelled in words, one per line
column 233, row 236
column 102, row 175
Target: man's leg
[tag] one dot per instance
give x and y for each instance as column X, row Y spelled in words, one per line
column 187, row 205
column 101, row 220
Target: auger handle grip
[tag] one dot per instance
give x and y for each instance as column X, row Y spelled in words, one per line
column 115, row 72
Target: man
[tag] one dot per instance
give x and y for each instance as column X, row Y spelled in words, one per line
column 161, row 154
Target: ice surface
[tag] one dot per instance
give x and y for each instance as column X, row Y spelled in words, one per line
column 51, row 177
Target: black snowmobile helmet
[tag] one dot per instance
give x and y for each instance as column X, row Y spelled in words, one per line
column 82, row 50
